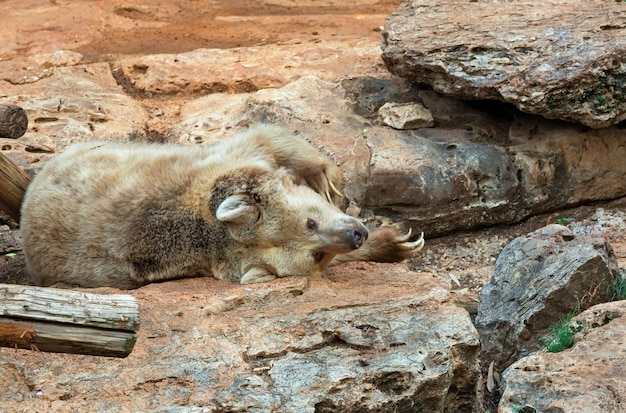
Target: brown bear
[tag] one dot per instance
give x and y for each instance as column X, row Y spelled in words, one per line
column 249, row 209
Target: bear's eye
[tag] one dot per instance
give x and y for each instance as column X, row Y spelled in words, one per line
column 318, row 256
column 312, row 224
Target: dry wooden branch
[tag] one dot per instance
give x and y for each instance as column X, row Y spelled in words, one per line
column 13, row 181
column 67, row 321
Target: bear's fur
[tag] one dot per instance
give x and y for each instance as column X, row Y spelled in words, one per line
column 249, row 209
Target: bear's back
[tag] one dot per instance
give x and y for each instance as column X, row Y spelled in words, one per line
column 88, row 207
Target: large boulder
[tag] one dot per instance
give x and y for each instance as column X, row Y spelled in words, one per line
column 471, row 172
column 562, row 60
column 587, row 378
column 364, row 337
column 539, row 279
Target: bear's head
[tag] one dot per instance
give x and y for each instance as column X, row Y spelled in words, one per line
column 284, row 228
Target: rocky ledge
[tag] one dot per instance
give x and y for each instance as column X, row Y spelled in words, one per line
column 562, row 60
column 295, row 345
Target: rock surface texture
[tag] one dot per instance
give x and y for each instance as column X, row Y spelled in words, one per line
column 464, row 168
column 295, row 345
column 65, row 104
column 244, row 69
column 587, row 378
column 361, row 337
column 562, row 60
column 436, row 179
column 537, row 279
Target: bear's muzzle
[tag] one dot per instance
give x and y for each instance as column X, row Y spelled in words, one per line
column 356, row 237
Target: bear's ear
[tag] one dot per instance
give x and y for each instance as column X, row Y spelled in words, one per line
column 237, row 208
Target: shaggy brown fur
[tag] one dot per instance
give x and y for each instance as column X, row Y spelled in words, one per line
column 249, row 209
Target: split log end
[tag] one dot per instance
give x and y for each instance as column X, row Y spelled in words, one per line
column 13, row 121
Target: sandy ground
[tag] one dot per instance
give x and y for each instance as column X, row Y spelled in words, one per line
column 101, row 28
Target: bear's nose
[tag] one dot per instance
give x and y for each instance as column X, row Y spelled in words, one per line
column 357, row 237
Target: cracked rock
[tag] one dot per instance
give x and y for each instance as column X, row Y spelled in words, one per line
column 539, row 279
column 562, row 60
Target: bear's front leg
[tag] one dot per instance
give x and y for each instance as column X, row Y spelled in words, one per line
column 322, row 178
column 310, row 167
column 294, row 153
column 256, row 275
column 386, row 244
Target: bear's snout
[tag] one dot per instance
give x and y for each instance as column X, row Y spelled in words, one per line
column 356, row 237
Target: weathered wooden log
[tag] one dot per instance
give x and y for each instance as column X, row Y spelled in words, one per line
column 67, row 321
column 13, row 184
column 13, row 121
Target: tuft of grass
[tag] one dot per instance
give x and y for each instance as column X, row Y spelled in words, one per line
column 562, row 334
column 472, row 309
column 524, row 409
column 564, row 221
column 617, row 290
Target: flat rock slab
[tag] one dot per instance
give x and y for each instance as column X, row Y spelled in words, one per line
column 562, row 60
column 364, row 337
column 247, row 69
column 437, row 180
column 64, row 105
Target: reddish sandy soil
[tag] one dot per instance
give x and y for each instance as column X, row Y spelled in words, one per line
column 99, row 28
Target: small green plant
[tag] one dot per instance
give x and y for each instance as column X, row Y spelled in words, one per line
column 524, row 409
column 617, row 290
column 471, row 308
column 563, row 220
column 562, row 333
